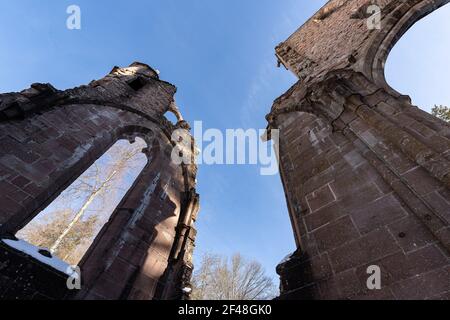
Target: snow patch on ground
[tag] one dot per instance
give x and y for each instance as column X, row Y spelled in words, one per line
column 187, row 290
column 33, row 251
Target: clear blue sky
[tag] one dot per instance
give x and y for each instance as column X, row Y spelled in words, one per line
column 220, row 55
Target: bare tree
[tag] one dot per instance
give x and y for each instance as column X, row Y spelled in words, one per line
column 95, row 187
column 44, row 233
column 220, row 278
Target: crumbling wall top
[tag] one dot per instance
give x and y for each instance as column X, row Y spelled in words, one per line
column 345, row 34
column 136, row 88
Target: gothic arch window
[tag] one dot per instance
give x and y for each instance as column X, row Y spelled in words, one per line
column 418, row 64
column 68, row 226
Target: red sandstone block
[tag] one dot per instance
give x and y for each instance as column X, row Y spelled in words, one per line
column 358, row 199
column 11, row 146
column 386, row 109
column 358, row 126
column 106, row 287
column 335, row 157
column 141, row 295
column 439, row 204
column 91, row 296
column 421, row 181
column 134, row 198
column 155, row 266
column 109, row 235
column 22, row 168
column 290, row 132
column 398, row 266
column 309, row 245
column 383, row 294
column 444, row 236
column 376, row 98
column 163, row 242
column 167, row 223
column 396, row 160
column 15, row 132
column 354, row 159
column 347, row 116
column 349, row 284
column 33, row 189
column 120, row 271
column 445, row 193
column 439, row 143
column 82, row 137
column 411, row 234
column 323, row 216
column 367, row 173
column 424, row 286
column 339, row 139
column 133, row 254
column 364, row 250
column 12, row 191
column 144, row 235
column 370, row 138
column 8, row 207
column 320, row 198
column 7, row 188
column 168, row 206
column 315, row 165
column 68, row 143
column 45, row 166
column 18, row 195
column 404, row 120
column 442, row 296
column 346, row 183
column 320, row 266
column 150, row 219
column 418, row 206
column 421, row 129
column 143, row 288
column 56, row 119
column 336, row 234
column 315, row 182
column 45, row 134
column 5, row 173
column 328, row 290
column 52, row 147
column 378, row 213
column 20, row 181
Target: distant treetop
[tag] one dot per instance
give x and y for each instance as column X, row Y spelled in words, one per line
column 442, row 112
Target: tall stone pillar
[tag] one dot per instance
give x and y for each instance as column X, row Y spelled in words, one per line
column 48, row 138
column 366, row 173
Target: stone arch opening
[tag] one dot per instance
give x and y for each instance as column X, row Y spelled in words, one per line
column 403, row 18
column 69, row 225
column 422, row 72
column 73, row 165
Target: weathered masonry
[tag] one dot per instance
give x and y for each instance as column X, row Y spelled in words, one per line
column 366, row 173
column 48, row 138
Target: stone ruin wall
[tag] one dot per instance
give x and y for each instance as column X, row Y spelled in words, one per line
column 366, row 173
column 48, row 138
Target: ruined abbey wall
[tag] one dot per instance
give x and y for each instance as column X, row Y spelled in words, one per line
column 366, row 173
column 48, row 138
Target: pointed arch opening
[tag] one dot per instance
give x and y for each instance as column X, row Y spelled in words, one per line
column 69, row 225
column 418, row 64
